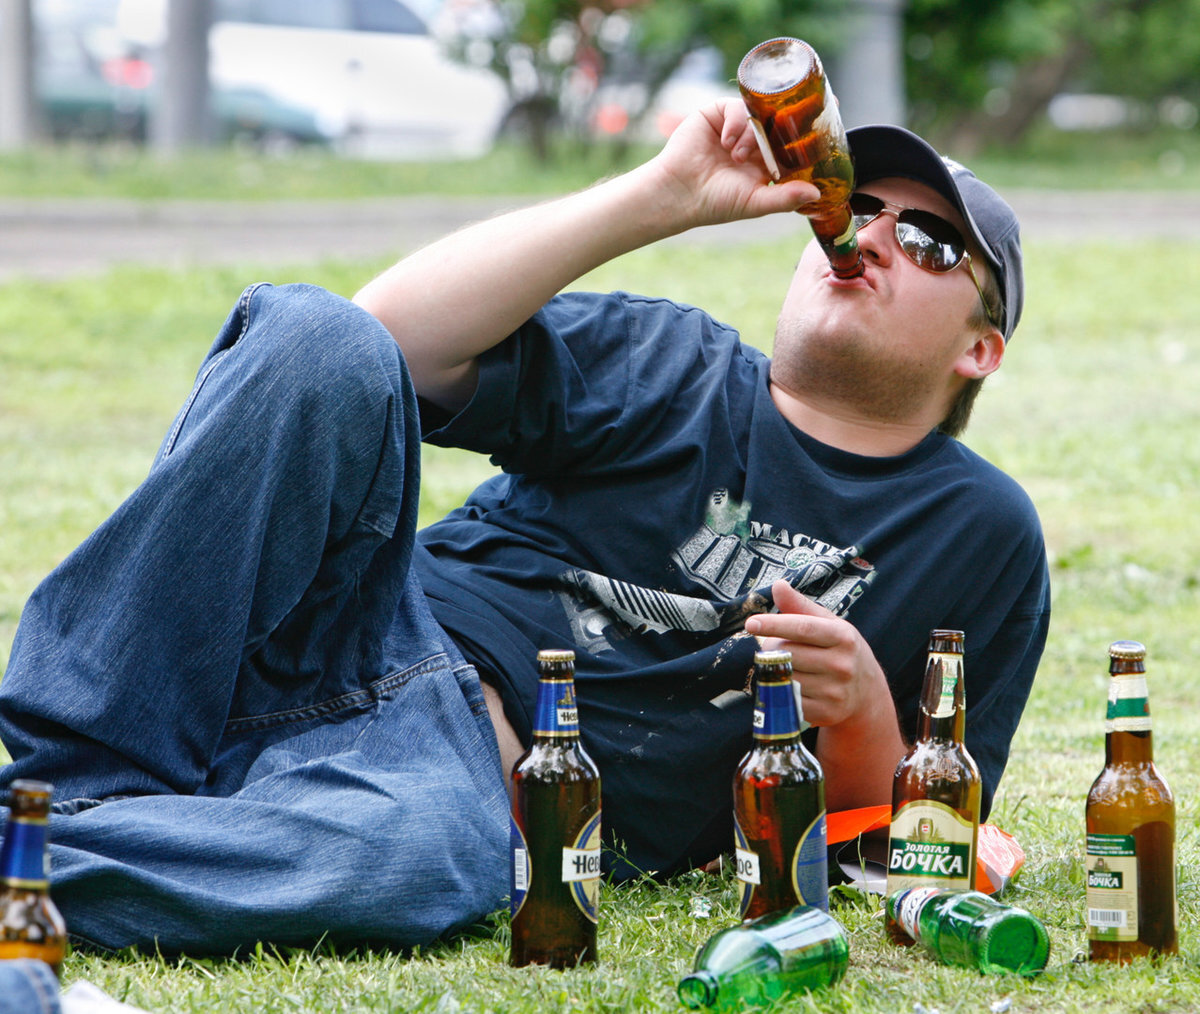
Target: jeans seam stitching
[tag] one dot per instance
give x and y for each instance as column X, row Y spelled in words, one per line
column 343, row 702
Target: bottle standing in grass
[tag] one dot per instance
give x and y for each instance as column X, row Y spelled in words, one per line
column 971, row 929
column 1131, row 904
column 555, row 830
column 779, row 801
column 801, row 136
column 937, row 790
column 767, row 959
column 31, row 926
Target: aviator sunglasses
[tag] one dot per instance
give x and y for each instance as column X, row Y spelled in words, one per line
column 928, row 240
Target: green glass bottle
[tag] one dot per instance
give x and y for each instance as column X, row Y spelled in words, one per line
column 970, row 928
column 765, row 959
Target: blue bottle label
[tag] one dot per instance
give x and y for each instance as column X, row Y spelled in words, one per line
column 776, row 714
column 557, row 713
column 23, row 857
column 810, row 867
column 581, row 868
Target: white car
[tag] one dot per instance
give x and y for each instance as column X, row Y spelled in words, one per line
column 375, row 79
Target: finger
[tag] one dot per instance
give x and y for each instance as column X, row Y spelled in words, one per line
column 789, row 600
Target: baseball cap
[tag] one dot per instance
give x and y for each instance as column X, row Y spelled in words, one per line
column 880, row 150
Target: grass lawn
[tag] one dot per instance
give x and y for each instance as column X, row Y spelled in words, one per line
column 1096, row 412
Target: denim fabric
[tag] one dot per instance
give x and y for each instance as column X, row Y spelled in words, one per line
column 254, row 726
column 28, row 987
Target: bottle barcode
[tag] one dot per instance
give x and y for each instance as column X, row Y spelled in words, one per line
column 520, row 870
column 1106, row 916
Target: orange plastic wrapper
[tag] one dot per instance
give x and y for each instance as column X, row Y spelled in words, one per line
column 998, row 856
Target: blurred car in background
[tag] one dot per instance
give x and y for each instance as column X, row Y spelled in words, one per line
column 363, row 76
column 374, row 77
column 92, row 82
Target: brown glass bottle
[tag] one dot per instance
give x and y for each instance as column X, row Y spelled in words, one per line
column 801, row 135
column 31, row 925
column 555, row 830
column 779, row 802
column 937, row 790
column 1130, row 827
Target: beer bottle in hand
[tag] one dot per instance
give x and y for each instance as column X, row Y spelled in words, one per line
column 1130, row 827
column 555, row 830
column 779, row 801
column 801, row 136
column 32, row 926
column 937, row 790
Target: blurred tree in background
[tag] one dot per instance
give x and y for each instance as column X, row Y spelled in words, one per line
column 559, row 57
column 987, row 71
column 976, row 72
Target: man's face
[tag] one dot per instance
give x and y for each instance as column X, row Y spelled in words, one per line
column 885, row 343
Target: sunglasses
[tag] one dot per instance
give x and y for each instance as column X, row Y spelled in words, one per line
column 928, row 240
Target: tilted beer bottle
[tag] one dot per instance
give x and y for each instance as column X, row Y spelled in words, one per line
column 555, row 830
column 801, row 136
column 779, row 801
column 767, row 959
column 32, row 926
column 1130, row 827
column 937, row 790
column 970, row 928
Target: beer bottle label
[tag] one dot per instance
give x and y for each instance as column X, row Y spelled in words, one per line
column 556, row 713
column 24, row 859
column 808, row 868
column 1128, row 704
column 930, row 844
column 909, row 905
column 950, row 666
column 776, row 711
column 748, row 871
column 521, row 871
column 581, row 868
column 1112, row 887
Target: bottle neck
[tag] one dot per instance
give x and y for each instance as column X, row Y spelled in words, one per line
column 556, row 717
column 1127, row 737
column 23, row 854
column 943, row 704
column 776, row 714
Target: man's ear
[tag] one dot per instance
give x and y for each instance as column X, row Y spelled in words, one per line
column 983, row 356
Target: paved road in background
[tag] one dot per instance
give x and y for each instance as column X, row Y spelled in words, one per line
column 61, row 239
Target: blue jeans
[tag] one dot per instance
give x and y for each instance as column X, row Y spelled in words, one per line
column 255, row 728
column 28, row 987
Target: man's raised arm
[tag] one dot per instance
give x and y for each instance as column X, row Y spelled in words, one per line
column 451, row 301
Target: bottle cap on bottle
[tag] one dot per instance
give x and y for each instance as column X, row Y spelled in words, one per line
column 1126, row 649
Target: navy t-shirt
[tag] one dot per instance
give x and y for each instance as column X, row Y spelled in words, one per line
column 651, row 493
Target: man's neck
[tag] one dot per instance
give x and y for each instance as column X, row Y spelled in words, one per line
column 834, row 425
